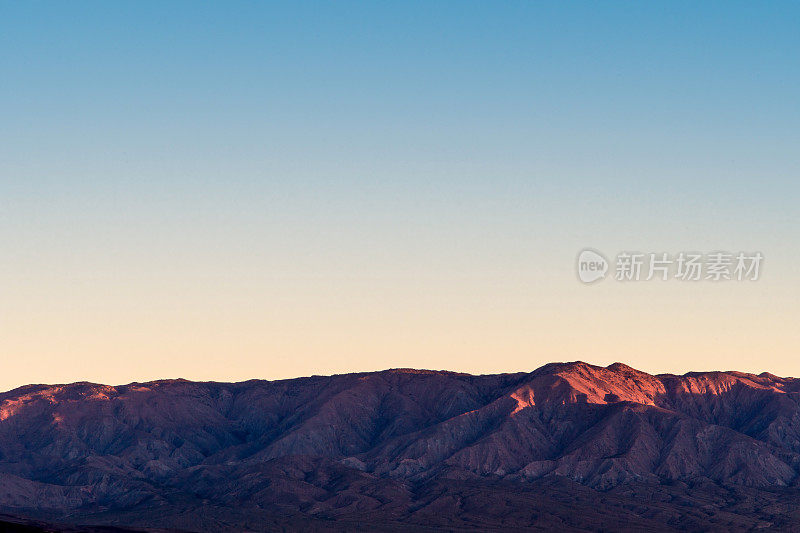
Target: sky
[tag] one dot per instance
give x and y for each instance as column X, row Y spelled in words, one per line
column 236, row 190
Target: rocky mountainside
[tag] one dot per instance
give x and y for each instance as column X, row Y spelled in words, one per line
column 570, row 446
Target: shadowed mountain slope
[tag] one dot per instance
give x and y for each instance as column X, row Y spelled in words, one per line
column 409, row 448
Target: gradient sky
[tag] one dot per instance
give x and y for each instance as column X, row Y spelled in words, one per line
column 240, row 190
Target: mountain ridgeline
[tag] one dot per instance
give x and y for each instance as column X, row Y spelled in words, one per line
column 569, row 446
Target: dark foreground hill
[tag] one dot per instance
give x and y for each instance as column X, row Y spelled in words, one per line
column 571, row 447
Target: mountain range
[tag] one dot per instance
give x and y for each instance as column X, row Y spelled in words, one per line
column 567, row 447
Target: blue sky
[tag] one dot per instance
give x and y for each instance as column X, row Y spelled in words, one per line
column 227, row 155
